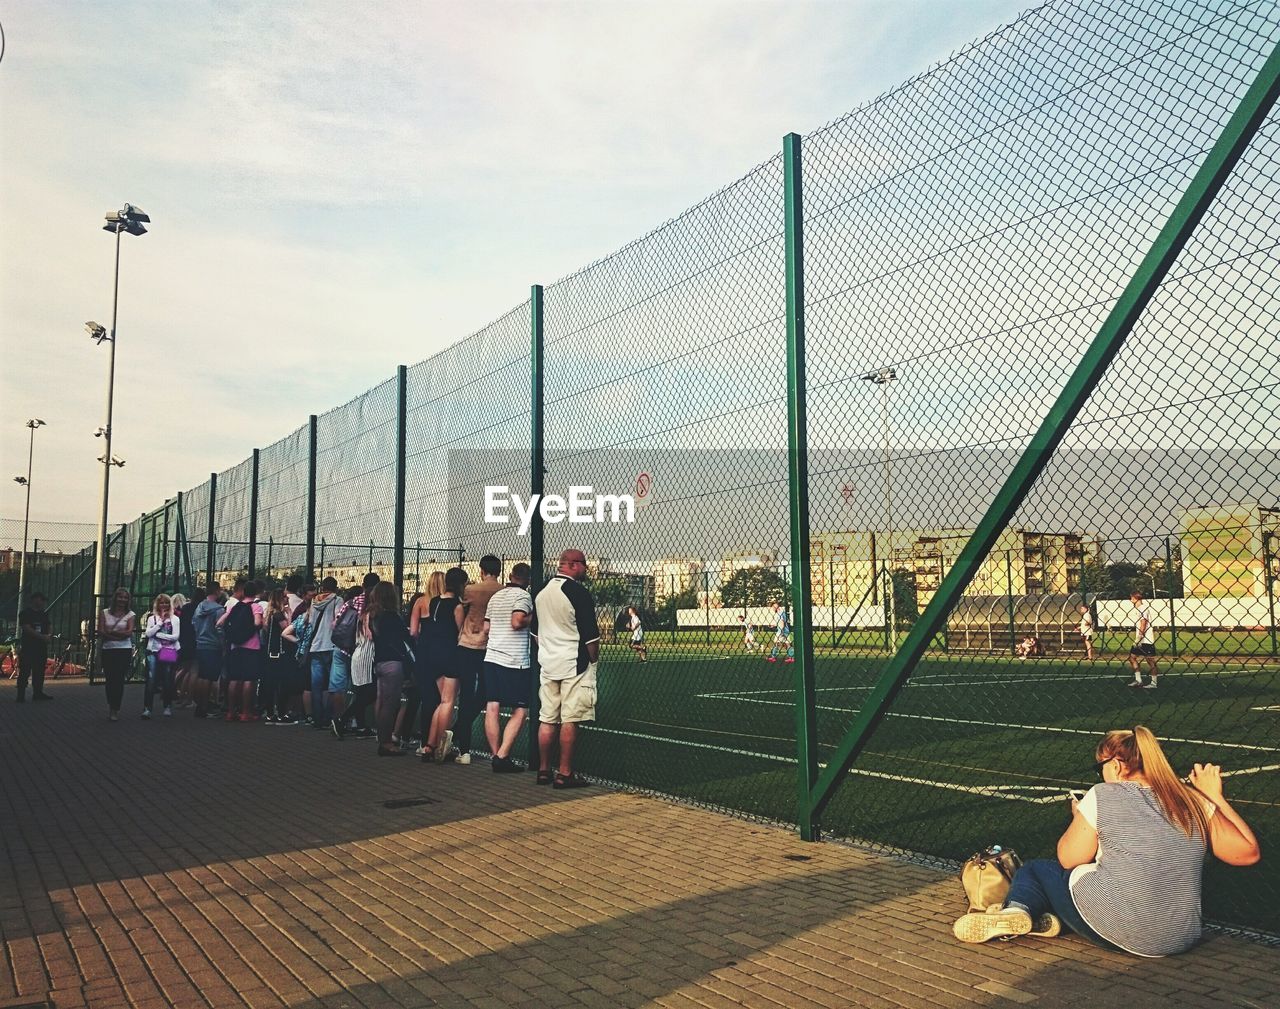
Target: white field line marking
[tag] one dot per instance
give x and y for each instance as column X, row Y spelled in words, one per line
column 935, row 680
column 996, row 725
column 1267, row 707
column 1009, row 793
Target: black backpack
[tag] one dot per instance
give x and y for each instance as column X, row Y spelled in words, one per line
column 343, row 634
column 239, row 627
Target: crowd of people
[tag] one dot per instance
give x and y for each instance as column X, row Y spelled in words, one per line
column 353, row 664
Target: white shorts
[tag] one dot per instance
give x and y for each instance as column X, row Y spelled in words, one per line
column 637, row 635
column 571, row 700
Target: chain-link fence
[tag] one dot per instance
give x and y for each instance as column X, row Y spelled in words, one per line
column 906, row 416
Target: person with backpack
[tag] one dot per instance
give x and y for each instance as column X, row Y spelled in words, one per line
column 241, row 624
column 320, row 649
column 384, row 626
column 346, row 622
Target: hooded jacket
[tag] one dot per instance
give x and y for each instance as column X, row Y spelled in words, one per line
column 320, row 617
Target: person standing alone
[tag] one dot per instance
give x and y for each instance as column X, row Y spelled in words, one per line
column 36, row 635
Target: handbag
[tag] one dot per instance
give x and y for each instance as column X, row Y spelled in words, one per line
column 362, row 662
column 986, row 876
column 168, row 652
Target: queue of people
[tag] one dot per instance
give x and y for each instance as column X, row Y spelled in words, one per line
column 352, row 663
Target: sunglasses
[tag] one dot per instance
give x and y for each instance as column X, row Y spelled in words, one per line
column 1101, row 764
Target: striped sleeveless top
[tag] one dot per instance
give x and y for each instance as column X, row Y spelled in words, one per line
column 1142, row 893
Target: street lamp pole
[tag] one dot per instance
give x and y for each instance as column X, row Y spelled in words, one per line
column 34, row 423
column 130, row 219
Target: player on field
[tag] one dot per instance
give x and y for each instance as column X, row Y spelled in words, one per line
column 1144, row 643
column 748, row 634
column 781, row 635
column 1087, row 631
column 636, row 627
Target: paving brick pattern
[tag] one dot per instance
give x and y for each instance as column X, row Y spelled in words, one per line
column 201, row 864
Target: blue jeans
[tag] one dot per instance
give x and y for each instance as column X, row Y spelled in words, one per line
column 1042, row 885
column 321, row 662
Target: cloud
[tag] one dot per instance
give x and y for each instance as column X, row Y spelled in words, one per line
column 338, row 189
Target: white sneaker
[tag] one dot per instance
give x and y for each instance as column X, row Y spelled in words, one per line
column 146, row 712
column 983, row 925
column 1149, row 686
column 463, row 758
column 168, row 712
column 444, row 746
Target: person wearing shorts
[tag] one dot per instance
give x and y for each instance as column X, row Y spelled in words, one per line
column 636, row 627
column 507, row 679
column 568, row 640
column 208, row 648
column 1144, row 644
column 1086, row 631
column 243, row 660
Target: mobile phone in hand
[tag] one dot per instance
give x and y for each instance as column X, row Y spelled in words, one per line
column 1076, row 793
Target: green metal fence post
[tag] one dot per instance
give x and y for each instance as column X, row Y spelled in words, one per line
column 312, row 425
column 210, row 577
column 671, row 599
column 320, row 575
column 1168, row 585
column 164, row 551
column 1013, row 629
column 402, row 462
column 179, row 542
column 124, row 545
column 1268, row 559
column 1128, row 308
column 831, row 596
column 798, row 480
column 706, row 603
column 537, row 477
column 253, row 517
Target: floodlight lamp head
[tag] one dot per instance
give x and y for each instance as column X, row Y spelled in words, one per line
column 96, row 332
column 35, row 422
column 20, row 480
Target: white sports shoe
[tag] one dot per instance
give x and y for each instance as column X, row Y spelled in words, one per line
column 146, row 712
column 463, row 758
column 1149, row 686
column 168, row 712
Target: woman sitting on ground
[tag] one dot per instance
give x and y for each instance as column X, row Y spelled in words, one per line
column 1129, row 865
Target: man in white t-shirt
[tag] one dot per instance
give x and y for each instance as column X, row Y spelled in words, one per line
column 1144, row 643
column 1087, row 631
column 507, row 678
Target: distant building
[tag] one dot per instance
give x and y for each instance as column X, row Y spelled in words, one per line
column 843, row 564
column 674, row 575
column 742, row 560
column 1225, row 549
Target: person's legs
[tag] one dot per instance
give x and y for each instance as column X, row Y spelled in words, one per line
column 548, row 732
column 512, row 732
column 37, row 659
column 339, row 681
column 149, row 691
column 568, row 737
column 320, row 665
column 1042, row 886
column 440, row 738
column 115, row 667
column 389, row 676
column 470, row 695
column 164, row 673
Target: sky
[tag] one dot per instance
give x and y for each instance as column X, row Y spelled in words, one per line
column 338, row 189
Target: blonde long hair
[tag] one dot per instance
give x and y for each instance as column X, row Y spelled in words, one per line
column 1139, row 751
column 435, row 584
column 161, row 600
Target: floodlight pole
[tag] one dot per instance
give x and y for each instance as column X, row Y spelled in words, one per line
column 26, row 518
column 100, row 561
column 882, row 377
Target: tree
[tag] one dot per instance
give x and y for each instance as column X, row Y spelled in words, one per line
column 754, row 587
column 686, row 599
column 906, row 606
column 608, row 593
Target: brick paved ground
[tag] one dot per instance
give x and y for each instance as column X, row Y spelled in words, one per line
column 178, row 863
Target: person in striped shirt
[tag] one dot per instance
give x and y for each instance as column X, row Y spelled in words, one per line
column 1129, row 866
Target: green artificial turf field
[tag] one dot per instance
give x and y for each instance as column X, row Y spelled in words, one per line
column 976, row 749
